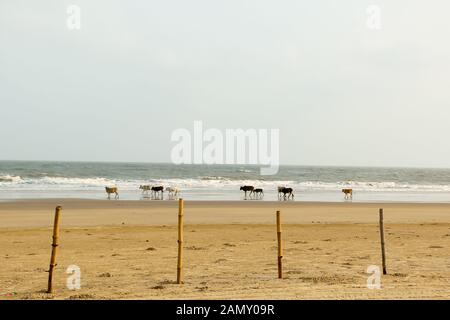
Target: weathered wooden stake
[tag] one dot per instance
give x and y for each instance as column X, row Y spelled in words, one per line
column 280, row 246
column 180, row 241
column 383, row 252
column 54, row 249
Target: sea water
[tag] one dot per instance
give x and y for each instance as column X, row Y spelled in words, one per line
column 40, row 179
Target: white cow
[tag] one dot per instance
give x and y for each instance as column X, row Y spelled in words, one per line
column 145, row 188
column 173, row 192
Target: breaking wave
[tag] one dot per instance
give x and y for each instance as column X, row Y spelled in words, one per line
column 12, row 182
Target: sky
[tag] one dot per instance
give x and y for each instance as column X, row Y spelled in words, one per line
column 340, row 91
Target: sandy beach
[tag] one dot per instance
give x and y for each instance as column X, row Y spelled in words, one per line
column 128, row 250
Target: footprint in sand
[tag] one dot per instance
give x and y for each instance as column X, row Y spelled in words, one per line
column 158, row 287
column 202, row 288
column 398, row 274
column 167, row 282
column 83, row 296
column 195, row 248
column 229, row 245
column 105, row 275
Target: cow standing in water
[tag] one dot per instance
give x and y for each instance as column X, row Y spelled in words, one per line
column 110, row 190
column 247, row 189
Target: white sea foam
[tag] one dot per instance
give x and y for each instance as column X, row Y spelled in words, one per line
column 9, row 178
column 384, row 186
column 52, row 183
column 213, row 183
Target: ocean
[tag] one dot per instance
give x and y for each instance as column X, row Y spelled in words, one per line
column 42, row 179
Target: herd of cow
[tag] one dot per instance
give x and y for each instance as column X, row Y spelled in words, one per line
column 157, row 192
column 283, row 192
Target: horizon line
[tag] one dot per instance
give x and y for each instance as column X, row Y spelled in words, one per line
column 204, row 164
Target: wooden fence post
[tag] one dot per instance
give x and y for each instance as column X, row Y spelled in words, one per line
column 54, row 248
column 383, row 252
column 180, row 241
column 280, row 246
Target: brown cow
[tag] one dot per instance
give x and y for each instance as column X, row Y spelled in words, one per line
column 348, row 193
column 110, row 190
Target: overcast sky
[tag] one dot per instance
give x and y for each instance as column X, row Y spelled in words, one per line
column 340, row 92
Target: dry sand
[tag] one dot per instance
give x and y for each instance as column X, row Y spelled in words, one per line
column 128, row 250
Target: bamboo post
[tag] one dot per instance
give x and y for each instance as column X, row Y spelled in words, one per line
column 180, row 241
column 383, row 252
column 280, row 246
column 54, row 248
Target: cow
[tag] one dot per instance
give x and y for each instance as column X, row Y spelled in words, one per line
column 287, row 191
column 157, row 190
column 280, row 192
column 348, row 193
column 110, row 190
column 145, row 188
column 259, row 193
column 247, row 189
column 173, row 191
